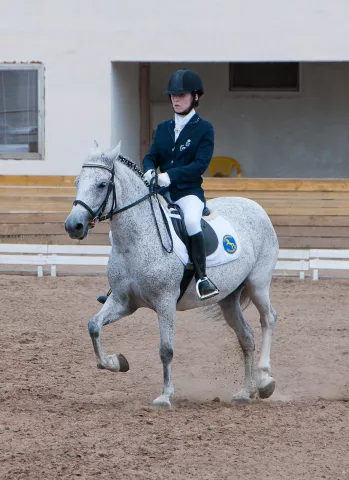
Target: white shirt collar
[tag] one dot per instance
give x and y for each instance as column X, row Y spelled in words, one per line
column 182, row 121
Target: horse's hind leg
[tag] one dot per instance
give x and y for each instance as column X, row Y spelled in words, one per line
column 232, row 313
column 259, row 293
column 110, row 312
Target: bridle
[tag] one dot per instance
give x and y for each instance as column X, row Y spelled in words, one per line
column 97, row 215
column 154, row 190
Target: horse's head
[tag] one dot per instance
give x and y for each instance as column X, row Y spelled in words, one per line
column 95, row 192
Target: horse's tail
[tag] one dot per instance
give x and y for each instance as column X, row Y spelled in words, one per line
column 245, row 298
column 215, row 312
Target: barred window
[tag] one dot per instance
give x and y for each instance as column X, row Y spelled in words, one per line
column 264, row 76
column 21, row 111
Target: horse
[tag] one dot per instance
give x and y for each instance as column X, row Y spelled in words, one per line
column 142, row 271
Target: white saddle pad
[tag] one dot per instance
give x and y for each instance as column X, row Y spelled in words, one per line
column 228, row 243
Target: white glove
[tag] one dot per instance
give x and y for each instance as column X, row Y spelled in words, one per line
column 164, row 180
column 149, row 175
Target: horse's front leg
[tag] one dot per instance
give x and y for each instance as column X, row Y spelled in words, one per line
column 111, row 311
column 166, row 317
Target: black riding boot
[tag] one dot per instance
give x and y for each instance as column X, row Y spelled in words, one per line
column 204, row 287
column 104, row 298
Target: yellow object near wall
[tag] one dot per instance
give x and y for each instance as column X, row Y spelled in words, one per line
column 222, row 167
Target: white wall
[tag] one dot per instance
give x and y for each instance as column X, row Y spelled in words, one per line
column 125, row 124
column 77, row 40
column 290, row 135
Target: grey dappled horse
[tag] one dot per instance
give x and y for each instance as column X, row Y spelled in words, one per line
column 142, row 274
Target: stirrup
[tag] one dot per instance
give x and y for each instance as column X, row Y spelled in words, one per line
column 210, row 287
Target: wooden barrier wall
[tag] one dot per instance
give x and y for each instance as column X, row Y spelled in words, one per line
column 305, row 213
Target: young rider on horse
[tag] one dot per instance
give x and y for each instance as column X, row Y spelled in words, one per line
column 182, row 150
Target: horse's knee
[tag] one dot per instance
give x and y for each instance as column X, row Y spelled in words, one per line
column 93, row 328
column 166, row 353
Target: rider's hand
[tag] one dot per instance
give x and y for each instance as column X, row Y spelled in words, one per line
column 164, row 180
column 149, row 175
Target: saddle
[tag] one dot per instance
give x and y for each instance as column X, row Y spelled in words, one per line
column 210, row 237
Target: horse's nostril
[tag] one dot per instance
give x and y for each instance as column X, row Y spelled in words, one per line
column 79, row 227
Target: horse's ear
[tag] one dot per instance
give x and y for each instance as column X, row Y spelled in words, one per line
column 95, row 148
column 116, row 151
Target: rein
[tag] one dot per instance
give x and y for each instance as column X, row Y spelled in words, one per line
column 154, row 190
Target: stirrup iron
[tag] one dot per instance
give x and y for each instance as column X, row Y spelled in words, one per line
column 211, row 289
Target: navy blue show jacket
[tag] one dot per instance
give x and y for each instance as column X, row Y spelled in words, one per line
column 184, row 160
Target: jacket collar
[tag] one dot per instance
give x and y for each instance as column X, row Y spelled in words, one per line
column 195, row 119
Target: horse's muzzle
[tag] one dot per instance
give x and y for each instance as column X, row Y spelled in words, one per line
column 76, row 228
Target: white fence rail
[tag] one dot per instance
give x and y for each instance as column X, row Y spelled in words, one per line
column 322, row 259
column 55, row 249
column 53, row 255
column 86, row 255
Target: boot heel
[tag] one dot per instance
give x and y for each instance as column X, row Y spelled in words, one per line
column 103, row 298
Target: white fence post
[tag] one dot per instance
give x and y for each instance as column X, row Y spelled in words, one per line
column 40, row 269
column 315, row 273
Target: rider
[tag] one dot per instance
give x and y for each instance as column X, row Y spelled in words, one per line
column 182, row 150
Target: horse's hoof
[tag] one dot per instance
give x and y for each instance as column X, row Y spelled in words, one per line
column 243, row 397
column 267, row 387
column 162, row 402
column 124, row 365
column 114, row 363
column 240, row 400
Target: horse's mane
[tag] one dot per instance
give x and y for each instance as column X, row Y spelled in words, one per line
column 132, row 166
column 125, row 161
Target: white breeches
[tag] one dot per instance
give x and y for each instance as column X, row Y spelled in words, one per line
column 192, row 208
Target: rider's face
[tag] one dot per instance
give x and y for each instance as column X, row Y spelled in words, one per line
column 182, row 102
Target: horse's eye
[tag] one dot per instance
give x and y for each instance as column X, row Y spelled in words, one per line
column 102, row 185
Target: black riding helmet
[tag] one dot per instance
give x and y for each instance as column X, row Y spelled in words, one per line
column 185, row 81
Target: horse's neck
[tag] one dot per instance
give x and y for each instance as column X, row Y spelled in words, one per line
column 130, row 188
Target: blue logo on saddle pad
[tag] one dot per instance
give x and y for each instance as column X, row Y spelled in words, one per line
column 229, row 244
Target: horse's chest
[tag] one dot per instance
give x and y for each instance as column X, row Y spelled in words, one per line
column 126, row 267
